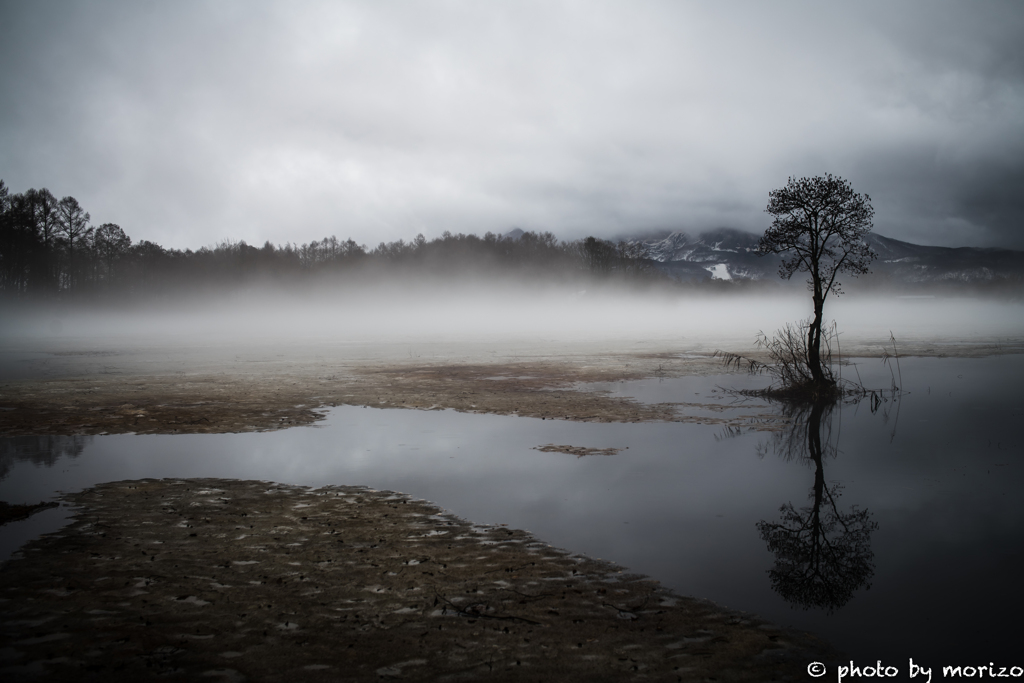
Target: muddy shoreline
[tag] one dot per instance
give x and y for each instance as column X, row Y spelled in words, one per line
column 104, row 389
column 244, row 580
column 241, row 399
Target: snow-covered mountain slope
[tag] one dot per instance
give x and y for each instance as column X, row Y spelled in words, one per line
column 731, row 254
column 722, row 253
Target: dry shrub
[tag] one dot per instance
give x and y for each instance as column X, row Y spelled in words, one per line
column 789, row 366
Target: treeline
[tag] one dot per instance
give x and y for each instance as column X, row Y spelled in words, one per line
column 49, row 249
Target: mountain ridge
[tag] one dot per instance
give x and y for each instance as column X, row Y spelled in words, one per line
column 730, row 254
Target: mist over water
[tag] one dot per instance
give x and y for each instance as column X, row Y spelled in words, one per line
column 411, row 312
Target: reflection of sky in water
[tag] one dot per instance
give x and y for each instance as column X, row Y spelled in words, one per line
column 682, row 503
column 692, row 394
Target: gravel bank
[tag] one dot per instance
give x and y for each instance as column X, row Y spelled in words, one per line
column 243, row 580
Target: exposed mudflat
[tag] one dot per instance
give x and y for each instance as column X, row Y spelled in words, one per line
column 578, row 451
column 245, row 580
column 120, row 392
column 97, row 387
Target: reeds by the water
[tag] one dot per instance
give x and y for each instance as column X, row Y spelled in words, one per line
column 789, row 366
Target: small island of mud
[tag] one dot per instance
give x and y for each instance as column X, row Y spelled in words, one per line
column 245, row 580
column 14, row 513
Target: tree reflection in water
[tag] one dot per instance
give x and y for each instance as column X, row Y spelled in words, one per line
column 43, row 450
column 822, row 555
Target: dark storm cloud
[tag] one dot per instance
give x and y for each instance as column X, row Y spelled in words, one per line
column 189, row 122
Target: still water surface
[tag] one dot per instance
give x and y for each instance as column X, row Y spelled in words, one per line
column 918, row 551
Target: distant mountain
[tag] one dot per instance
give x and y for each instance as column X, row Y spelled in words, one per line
column 722, row 253
column 729, row 254
column 903, row 261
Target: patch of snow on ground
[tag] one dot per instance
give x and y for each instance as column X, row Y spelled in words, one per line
column 719, row 271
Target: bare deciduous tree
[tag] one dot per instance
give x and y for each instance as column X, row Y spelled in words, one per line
column 819, row 228
column 111, row 244
column 73, row 221
column 47, row 216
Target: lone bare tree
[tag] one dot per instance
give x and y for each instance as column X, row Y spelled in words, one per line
column 819, row 228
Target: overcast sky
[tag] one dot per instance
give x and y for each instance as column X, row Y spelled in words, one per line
column 190, row 122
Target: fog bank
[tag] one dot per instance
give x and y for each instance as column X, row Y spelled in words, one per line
column 507, row 315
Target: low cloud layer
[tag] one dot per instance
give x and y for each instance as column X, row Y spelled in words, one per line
column 190, row 122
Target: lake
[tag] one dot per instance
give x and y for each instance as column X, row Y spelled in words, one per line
column 902, row 534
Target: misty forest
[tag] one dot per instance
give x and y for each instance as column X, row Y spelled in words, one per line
column 50, row 249
column 645, row 342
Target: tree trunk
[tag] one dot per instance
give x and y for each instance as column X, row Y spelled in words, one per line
column 814, row 338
